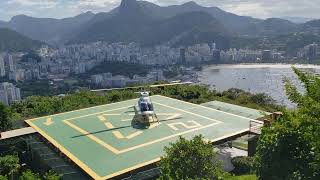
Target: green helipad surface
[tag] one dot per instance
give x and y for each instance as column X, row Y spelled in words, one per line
column 235, row 109
column 102, row 141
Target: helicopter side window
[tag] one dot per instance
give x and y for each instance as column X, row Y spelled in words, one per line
column 150, row 106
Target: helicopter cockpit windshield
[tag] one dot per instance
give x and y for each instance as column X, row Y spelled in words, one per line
column 146, row 105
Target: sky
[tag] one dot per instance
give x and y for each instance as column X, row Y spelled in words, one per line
column 67, row 8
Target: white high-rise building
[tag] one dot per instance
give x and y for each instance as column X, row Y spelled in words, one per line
column 2, row 67
column 12, row 66
column 214, row 46
column 9, row 93
column 4, row 97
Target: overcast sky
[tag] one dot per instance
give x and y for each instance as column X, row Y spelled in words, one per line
column 67, row 8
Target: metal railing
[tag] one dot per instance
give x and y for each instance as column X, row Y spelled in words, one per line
column 256, row 126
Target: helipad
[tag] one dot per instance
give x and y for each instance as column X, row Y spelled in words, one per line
column 102, row 141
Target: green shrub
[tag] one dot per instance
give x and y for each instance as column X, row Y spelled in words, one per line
column 29, row 175
column 242, row 177
column 3, row 177
column 51, row 175
column 242, row 164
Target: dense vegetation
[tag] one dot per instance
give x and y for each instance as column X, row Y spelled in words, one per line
column 39, row 87
column 31, row 55
column 290, row 148
column 5, row 121
column 10, row 168
column 190, row 159
column 197, row 159
column 12, row 41
column 119, row 68
column 242, row 165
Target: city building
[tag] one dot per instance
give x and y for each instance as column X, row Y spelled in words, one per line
column 266, row 55
column 12, row 65
column 216, row 55
column 2, row 66
column 312, row 51
column 119, row 81
column 9, row 93
column 183, row 56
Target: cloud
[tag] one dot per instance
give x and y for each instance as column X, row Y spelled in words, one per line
column 93, row 5
column 255, row 8
column 33, row 3
column 260, row 8
column 269, row 8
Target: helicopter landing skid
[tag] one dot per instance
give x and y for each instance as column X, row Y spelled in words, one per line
column 147, row 119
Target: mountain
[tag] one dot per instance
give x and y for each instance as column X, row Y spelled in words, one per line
column 272, row 26
column 144, row 22
column 297, row 20
column 312, row 27
column 13, row 41
column 47, row 29
column 312, row 24
column 122, row 26
column 132, row 22
column 186, row 29
column 231, row 21
column 126, row 22
column 2, row 23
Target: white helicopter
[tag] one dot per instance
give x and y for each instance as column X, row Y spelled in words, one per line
column 144, row 111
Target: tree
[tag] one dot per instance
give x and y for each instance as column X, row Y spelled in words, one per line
column 5, row 122
column 29, row 175
column 51, row 175
column 3, row 177
column 190, row 159
column 290, row 148
column 9, row 165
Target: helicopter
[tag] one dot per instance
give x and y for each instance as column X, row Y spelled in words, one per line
column 144, row 110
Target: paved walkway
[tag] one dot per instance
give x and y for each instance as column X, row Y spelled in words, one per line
column 17, row 132
column 226, row 154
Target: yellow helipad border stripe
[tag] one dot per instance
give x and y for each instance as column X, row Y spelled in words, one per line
column 131, row 168
column 66, row 152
